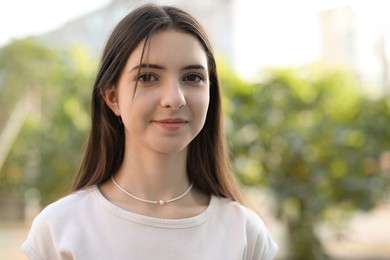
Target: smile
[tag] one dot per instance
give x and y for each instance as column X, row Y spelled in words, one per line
column 171, row 124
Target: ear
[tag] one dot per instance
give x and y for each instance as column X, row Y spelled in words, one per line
column 110, row 97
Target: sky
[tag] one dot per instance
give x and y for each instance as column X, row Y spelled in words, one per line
column 21, row 18
column 288, row 33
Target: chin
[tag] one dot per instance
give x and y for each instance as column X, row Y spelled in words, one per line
column 171, row 148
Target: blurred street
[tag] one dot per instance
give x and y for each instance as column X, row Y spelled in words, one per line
column 366, row 237
column 11, row 237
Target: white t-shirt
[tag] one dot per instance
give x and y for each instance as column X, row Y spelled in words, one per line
column 85, row 225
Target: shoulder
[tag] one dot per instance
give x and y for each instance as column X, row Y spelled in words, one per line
column 65, row 209
column 69, row 203
column 260, row 244
column 233, row 209
column 55, row 220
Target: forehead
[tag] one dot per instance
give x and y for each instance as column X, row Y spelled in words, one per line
column 169, row 47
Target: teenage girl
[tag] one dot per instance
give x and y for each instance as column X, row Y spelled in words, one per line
column 155, row 181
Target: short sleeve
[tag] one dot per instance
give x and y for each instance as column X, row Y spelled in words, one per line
column 264, row 248
column 39, row 244
column 260, row 245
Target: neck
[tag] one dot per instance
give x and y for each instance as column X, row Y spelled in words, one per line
column 154, row 175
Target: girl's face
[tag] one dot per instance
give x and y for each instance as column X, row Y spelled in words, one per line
column 167, row 108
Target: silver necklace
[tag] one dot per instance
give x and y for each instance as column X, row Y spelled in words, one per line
column 160, row 202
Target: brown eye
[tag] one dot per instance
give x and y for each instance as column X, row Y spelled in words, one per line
column 193, row 78
column 147, row 77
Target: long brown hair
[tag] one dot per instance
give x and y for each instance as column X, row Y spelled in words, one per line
column 208, row 163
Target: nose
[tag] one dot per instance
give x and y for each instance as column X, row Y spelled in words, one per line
column 172, row 95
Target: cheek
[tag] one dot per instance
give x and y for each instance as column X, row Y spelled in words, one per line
column 137, row 104
column 203, row 104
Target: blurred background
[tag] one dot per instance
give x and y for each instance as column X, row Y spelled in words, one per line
column 307, row 112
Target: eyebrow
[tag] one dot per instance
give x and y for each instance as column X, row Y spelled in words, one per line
column 158, row 67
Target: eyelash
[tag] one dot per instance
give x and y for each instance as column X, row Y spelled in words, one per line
column 200, row 77
column 142, row 77
column 148, row 77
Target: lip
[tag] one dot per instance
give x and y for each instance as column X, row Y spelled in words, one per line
column 171, row 121
column 170, row 124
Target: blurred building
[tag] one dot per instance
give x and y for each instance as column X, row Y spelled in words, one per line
column 359, row 43
column 92, row 30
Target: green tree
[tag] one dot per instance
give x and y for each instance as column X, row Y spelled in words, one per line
column 315, row 141
column 47, row 151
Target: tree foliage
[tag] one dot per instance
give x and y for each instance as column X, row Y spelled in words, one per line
column 47, row 151
column 315, row 140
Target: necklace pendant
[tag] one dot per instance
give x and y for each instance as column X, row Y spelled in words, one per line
column 159, row 202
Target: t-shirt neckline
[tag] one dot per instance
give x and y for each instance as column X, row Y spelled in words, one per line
column 153, row 221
